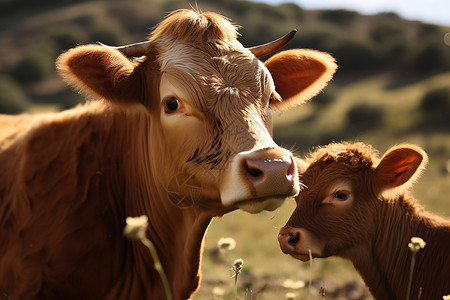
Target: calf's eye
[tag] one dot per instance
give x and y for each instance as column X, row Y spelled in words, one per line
column 341, row 195
column 172, row 104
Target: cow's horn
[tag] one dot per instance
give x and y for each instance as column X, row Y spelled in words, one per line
column 139, row 49
column 136, row 49
column 268, row 48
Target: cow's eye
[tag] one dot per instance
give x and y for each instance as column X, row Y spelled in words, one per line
column 172, row 104
column 341, row 195
column 270, row 99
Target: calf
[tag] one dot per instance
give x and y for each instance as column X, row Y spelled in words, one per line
column 359, row 207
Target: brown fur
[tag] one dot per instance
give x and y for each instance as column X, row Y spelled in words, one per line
column 69, row 180
column 373, row 226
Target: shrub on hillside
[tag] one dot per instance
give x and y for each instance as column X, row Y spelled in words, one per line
column 322, row 38
column 68, row 36
column 256, row 30
column 108, row 33
column 436, row 103
column 365, row 116
column 326, row 97
column 339, row 16
column 291, row 11
column 36, row 64
column 386, row 32
column 12, row 99
column 392, row 40
column 430, row 31
column 432, row 57
column 354, row 55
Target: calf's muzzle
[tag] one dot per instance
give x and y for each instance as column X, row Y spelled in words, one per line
column 288, row 238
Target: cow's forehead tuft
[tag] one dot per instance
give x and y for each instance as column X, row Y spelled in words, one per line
column 196, row 28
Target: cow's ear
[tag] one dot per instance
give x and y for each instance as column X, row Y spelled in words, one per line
column 102, row 72
column 399, row 167
column 299, row 74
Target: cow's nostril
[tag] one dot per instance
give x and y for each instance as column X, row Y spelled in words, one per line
column 292, row 169
column 255, row 172
column 252, row 170
column 293, row 238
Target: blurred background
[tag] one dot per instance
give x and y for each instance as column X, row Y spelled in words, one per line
column 392, row 86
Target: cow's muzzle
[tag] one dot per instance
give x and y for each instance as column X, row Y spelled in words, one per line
column 260, row 179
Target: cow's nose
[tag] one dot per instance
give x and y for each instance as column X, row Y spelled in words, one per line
column 288, row 238
column 270, row 172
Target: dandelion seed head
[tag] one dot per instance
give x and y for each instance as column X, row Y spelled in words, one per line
column 290, row 296
column 298, row 284
column 237, row 265
column 416, row 244
column 136, row 227
column 226, row 244
column 287, row 283
column 218, row 292
column 295, row 285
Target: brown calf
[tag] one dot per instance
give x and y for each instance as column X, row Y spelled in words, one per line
column 359, row 207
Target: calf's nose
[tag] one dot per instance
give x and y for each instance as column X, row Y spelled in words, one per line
column 288, row 238
column 270, row 172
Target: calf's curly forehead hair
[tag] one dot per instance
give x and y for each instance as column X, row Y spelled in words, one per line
column 357, row 155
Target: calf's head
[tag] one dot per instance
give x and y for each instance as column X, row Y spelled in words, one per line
column 210, row 103
column 344, row 186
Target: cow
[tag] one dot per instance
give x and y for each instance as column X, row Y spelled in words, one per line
column 177, row 128
column 359, row 207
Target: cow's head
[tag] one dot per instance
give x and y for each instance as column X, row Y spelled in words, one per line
column 347, row 190
column 210, row 102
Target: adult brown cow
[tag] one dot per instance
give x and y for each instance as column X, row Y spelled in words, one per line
column 180, row 134
column 359, row 207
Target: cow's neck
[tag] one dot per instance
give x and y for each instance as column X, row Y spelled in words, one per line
column 384, row 262
column 177, row 233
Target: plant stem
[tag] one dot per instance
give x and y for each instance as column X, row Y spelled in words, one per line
column 157, row 265
column 310, row 272
column 235, row 286
column 411, row 271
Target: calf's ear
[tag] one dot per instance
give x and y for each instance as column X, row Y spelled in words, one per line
column 399, row 167
column 99, row 71
column 299, row 74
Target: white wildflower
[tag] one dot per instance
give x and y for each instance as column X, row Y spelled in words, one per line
column 416, row 244
column 290, row 296
column 218, row 293
column 226, row 244
column 136, row 227
column 295, row 285
column 237, row 266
